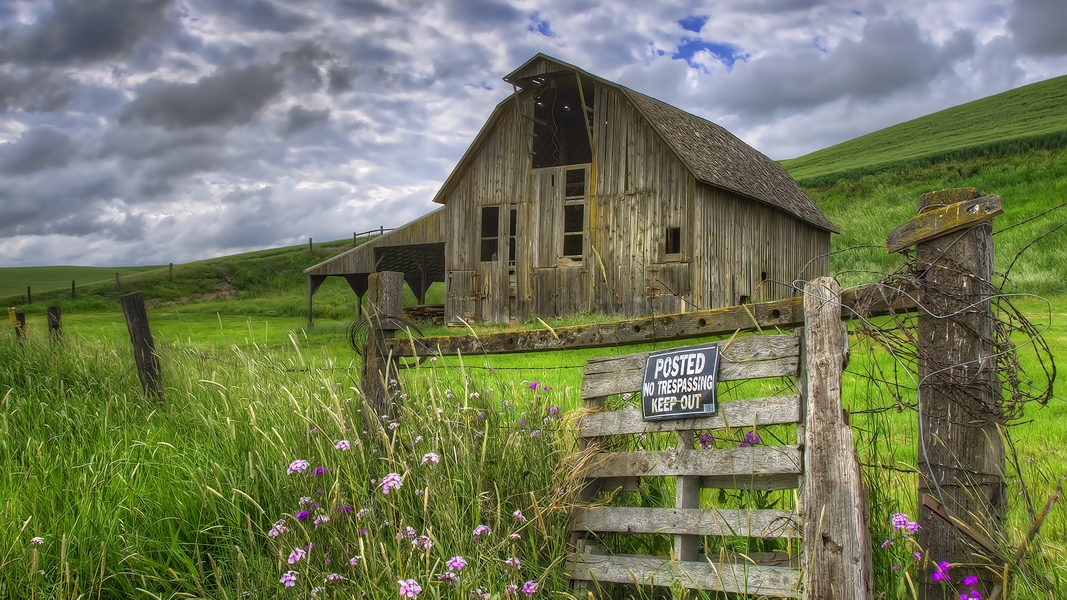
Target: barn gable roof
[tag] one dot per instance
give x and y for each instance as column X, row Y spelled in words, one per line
column 711, row 153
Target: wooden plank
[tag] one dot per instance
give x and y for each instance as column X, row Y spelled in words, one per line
column 740, row 481
column 754, row 460
column 777, row 582
column 753, row 348
column 837, row 540
column 942, row 221
column 784, row 314
column 606, row 384
column 765, row 524
column 775, row 410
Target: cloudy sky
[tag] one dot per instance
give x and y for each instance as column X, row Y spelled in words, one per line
column 156, row 131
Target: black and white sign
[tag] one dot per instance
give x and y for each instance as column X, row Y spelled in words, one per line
column 680, row 383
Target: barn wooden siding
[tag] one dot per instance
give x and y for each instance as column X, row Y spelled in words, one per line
column 636, row 189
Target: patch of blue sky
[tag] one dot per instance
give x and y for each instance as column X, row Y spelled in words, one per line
column 727, row 54
column 539, row 25
column 820, row 44
column 693, row 23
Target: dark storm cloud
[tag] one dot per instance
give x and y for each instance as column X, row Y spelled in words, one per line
column 37, row 149
column 1039, row 27
column 300, row 118
column 303, row 65
column 228, row 97
column 364, row 9
column 484, row 14
column 31, row 205
column 82, row 31
column 341, row 78
column 892, row 56
column 36, row 90
column 260, row 15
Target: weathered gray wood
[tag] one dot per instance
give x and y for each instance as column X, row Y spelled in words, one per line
column 754, row 460
column 386, row 300
column 937, row 222
column 144, row 349
column 774, row 410
column 605, row 384
column 742, row 349
column 766, row 524
column 73, row 290
column 686, row 497
column 739, row 481
column 20, row 325
column 961, row 451
column 29, row 295
column 755, row 580
column 837, row 541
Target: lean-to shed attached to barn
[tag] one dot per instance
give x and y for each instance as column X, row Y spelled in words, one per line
column 580, row 195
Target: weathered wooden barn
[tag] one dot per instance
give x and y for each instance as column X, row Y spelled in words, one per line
column 579, row 194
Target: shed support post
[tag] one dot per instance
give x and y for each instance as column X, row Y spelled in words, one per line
column 837, row 538
column 386, row 295
column 314, row 281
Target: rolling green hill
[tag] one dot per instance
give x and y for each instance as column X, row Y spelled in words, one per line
column 1030, row 117
column 13, row 280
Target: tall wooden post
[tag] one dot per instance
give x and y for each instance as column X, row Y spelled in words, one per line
column 29, row 295
column 170, row 272
column 837, row 537
column 961, row 452
column 144, row 349
column 20, row 325
column 73, row 290
column 386, row 295
column 118, row 282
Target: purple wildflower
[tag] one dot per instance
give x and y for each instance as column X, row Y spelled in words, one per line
column 334, row 577
column 362, row 513
column 899, row 521
column 535, row 433
column 355, row 560
column 534, row 385
column 478, row 594
column 887, row 543
column 751, row 439
column 345, row 509
column 409, row 588
column 297, row 466
column 448, row 576
column 511, row 589
column 289, row 579
column 456, row 563
column 941, row 572
column 391, row 481
column 278, row 529
column 343, row 445
column 552, row 410
column 529, row 588
column 305, row 500
column 514, row 537
column 302, row 515
column 320, row 471
column 430, row 457
column 314, row 430
column 514, row 563
column 970, row 580
column 479, row 531
column 518, row 516
column 296, row 555
column 423, row 542
column 706, row 441
column 37, row 541
column 321, row 520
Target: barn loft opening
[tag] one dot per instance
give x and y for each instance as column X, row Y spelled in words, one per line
column 560, row 123
column 573, row 230
column 674, row 240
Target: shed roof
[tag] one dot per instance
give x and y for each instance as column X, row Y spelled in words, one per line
column 711, row 153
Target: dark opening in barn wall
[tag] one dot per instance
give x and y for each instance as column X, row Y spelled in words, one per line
column 490, row 232
column 560, row 124
column 573, row 230
column 674, row 240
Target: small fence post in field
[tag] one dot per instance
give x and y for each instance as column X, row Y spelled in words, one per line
column 144, row 349
column 170, row 272
column 961, row 451
column 29, row 295
column 386, row 300
column 55, row 321
column 837, row 538
column 19, row 321
column 118, row 282
column 73, row 290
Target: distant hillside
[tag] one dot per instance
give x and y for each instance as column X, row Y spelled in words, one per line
column 1030, row 117
column 13, row 280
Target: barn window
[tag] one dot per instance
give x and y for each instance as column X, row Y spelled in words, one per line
column 674, row 240
column 573, row 230
column 490, row 232
column 512, row 223
column 575, row 183
column 560, row 123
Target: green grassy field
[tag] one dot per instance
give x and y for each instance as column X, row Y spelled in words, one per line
column 14, row 280
column 1029, row 117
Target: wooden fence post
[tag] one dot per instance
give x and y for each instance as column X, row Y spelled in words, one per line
column 29, row 295
column 961, row 451
column 118, row 282
column 20, row 325
column 73, row 290
column 144, row 349
column 55, row 321
column 386, row 295
column 837, row 538
column 170, row 272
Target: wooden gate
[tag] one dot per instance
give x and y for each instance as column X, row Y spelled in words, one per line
column 833, row 544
